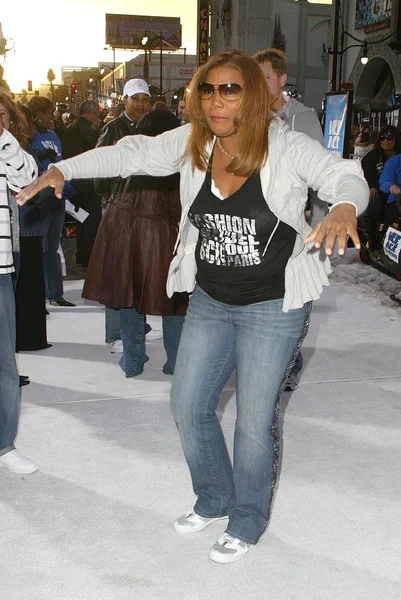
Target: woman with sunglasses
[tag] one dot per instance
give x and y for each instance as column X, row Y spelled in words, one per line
column 388, row 144
column 253, row 265
column 390, row 183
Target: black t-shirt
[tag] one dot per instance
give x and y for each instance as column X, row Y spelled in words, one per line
column 237, row 262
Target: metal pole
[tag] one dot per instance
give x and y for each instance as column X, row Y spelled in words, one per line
column 161, row 65
column 335, row 46
column 146, row 65
column 340, row 74
column 114, row 66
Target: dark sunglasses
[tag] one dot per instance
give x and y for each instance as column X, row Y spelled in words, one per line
column 227, row 91
column 386, row 137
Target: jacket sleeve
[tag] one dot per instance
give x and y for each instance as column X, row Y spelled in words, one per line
column 133, row 155
column 103, row 187
column 369, row 162
column 389, row 175
column 20, row 167
column 335, row 179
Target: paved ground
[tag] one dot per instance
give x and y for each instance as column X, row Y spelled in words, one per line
column 74, row 271
column 95, row 522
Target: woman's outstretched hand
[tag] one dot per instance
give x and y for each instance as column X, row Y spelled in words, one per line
column 340, row 222
column 52, row 178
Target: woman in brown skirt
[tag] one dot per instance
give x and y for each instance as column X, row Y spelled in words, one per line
column 132, row 253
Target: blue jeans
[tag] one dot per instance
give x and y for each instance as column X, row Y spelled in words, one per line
column 112, row 324
column 52, row 219
column 133, row 331
column 260, row 342
column 9, row 380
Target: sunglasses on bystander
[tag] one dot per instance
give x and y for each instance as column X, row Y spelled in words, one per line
column 386, row 137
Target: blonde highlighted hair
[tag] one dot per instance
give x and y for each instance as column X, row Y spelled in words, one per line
column 251, row 122
column 275, row 57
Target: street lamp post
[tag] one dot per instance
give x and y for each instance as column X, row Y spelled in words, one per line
column 145, row 40
column 161, row 64
column 102, row 70
column 114, row 66
column 340, row 53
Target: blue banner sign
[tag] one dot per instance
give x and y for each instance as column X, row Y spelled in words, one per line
column 392, row 244
column 335, row 121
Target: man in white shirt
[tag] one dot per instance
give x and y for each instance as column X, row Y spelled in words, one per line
column 298, row 118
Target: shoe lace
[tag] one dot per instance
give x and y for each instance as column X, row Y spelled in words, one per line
column 228, row 539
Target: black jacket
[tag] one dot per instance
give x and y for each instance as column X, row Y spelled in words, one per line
column 372, row 165
column 110, row 134
column 80, row 137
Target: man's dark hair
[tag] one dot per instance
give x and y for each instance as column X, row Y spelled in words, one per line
column 88, row 106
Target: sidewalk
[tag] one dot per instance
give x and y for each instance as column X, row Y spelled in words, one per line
column 95, row 522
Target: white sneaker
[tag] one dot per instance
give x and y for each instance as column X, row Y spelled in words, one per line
column 291, row 383
column 228, row 549
column 154, row 334
column 116, row 347
column 17, row 463
column 191, row 523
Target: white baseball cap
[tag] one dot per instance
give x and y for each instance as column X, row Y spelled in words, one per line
column 136, row 86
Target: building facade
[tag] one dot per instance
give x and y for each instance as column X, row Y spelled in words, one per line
column 249, row 25
column 377, row 84
column 176, row 70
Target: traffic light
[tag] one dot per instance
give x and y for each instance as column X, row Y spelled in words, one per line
column 29, row 85
column 73, row 89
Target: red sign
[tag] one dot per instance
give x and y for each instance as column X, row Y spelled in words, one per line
column 203, row 32
column 378, row 26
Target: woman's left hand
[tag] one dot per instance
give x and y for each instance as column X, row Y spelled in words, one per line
column 340, row 222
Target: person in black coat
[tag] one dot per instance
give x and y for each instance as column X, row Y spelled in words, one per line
column 79, row 137
column 388, row 144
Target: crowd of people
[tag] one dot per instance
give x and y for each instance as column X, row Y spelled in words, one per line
column 235, row 289
column 381, row 167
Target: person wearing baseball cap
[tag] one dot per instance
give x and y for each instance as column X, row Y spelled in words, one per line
column 136, row 98
column 136, row 86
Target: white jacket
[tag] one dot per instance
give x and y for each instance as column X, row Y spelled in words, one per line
column 17, row 169
column 295, row 162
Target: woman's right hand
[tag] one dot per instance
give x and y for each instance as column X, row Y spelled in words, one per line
column 52, row 178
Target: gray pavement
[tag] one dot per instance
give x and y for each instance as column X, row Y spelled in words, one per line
column 95, row 522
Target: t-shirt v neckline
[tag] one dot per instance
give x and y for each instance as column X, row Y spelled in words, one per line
column 210, row 180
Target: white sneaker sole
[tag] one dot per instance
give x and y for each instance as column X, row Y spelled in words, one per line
column 225, row 559
column 187, row 529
